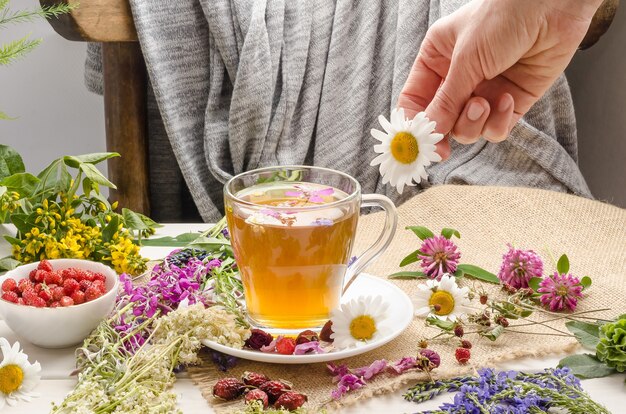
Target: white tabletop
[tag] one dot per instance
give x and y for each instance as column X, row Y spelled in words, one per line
column 57, row 365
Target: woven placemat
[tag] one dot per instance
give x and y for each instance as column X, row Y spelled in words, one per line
column 592, row 233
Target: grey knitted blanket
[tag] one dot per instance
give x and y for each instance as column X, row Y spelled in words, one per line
column 242, row 84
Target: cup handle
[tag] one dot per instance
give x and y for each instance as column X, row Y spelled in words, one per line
column 383, row 241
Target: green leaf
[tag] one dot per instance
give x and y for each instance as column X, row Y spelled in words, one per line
column 445, row 325
column 10, row 162
column 148, row 221
column 133, row 221
column 74, row 161
column 458, row 273
column 8, row 263
column 588, row 334
column 22, row 183
column 478, row 273
column 95, row 175
column 407, row 275
column 54, row 178
column 181, row 240
column 448, row 233
column 421, row 232
column 110, row 229
column 494, row 333
column 563, row 265
column 534, row 282
column 411, row 258
column 12, row 240
column 87, row 186
column 586, row 366
column 585, row 282
column 20, row 221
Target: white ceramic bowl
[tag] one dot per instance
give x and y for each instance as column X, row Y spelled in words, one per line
column 63, row 326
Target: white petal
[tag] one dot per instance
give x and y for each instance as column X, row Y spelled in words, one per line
column 386, row 125
column 379, row 159
column 379, row 135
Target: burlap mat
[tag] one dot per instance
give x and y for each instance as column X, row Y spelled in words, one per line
column 591, row 233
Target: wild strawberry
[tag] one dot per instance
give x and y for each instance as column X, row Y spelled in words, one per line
column 466, row 344
column 290, row 401
column 29, row 295
column 37, row 302
column 257, row 395
column 70, row 286
column 9, row 285
column 254, row 379
column 20, row 301
column 70, row 273
column 10, row 296
column 86, row 275
column 327, row 330
column 38, row 287
column 32, row 274
column 462, row 355
column 53, row 278
column 45, row 294
column 39, row 276
column 274, row 389
column 24, row 284
column 458, row 330
column 100, row 277
column 66, row 301
column 228, row 389
column 307, row 336
column 483, row 298
column 55, row 304
column 502, row 321
column 57, row 293
column 85, row 284
column 78, row 297
column 92, row 293
column 100, row 285
column 45, row 265
column 285, row 346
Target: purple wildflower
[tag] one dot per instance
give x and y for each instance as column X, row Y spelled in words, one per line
column 312, row 347
column 337, row 371
column 223, row 361
column 519, row 266
column 560, row 291
column 438, row 256
column 403, row 365
column 347, row 383
column 369, row 371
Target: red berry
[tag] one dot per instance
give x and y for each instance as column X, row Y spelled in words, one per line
column 32, row 274
column 78, row 297
column 86, row 275
column 9, row 285
column 69, row 273
column 37, row 302
column 45, row 265
column 70, row 286
column 92, row 293
column 100, row 285
column 45, row 294
column 40, row 276
column 55, row 304
column 66, row 301
column 29, row 295
column 466, row 344
column 100, row 277
column 85, row 284
column 20, row 301
column 285, row 346
column 53, row 278
column 458, row 330
column 462, row 355
column 257, row 395
column 228, row 389
column 10, row 296
column 274, row 389
column 290, row 401
column 57, row 293
column 25, row 284
column 254, row 379
column 38, row 287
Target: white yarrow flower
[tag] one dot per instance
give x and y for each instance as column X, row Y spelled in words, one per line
column 359, row 321
column 18, row 377
column 406, row 148
column 442, row 299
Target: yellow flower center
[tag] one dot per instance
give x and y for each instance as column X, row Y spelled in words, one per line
column 404, row 147
column 11, row 377
column 362, row 327
column 442, row 302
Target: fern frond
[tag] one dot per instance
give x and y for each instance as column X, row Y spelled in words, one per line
column 7, row 16
column 14, row 50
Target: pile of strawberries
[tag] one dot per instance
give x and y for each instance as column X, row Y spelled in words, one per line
column 46, row 287
column 258, row 387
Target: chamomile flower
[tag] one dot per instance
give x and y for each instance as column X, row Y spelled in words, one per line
column 18, row 377
column 359, row 321
column 406, row 148
column 442, row 299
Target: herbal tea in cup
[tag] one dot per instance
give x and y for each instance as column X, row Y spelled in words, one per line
column 292, row 231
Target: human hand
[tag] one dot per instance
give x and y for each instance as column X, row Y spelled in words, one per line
column 480, row 69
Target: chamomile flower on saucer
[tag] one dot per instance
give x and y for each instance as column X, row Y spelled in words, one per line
column 359, row 321
column 18, row 377
column 442, row 299
column 407, row 147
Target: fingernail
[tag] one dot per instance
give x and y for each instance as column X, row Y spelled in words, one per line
column 475, row 111
column 505, row 103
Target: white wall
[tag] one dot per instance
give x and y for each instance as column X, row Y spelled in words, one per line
column 57, row 115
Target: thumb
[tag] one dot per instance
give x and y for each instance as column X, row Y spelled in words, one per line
column 457, row 87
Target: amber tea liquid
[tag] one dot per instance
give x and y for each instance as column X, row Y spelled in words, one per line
column 292, row 260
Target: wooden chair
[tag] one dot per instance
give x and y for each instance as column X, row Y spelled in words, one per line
column 110, row 22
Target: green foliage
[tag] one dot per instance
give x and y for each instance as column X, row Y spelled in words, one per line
column 478, row 273
column 10, row 162
column 420, row 231
column 586, row 366
column 448, row 233
column 611, row 348
column 588, row 334
column 562, row 265
column 408, row 275
column 411, row 258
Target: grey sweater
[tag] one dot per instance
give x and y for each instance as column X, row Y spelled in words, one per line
column 241, row 84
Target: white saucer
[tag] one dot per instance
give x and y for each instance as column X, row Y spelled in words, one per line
column 400, row 314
